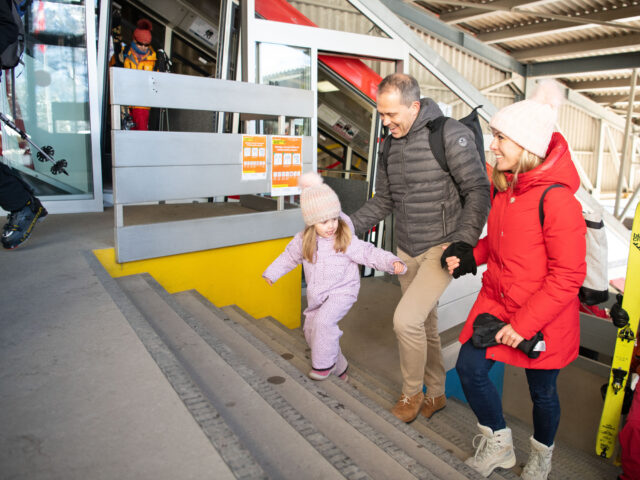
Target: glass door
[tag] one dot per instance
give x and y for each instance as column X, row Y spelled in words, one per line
column 50, row 99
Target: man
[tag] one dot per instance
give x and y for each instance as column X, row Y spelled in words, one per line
column 429, row 217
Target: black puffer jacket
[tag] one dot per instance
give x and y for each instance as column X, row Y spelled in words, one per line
column 424, row 198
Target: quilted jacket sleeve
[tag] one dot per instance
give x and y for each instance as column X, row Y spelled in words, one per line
column 377, row 208
column 564, row 232
column 470, row 175
column 287, row 260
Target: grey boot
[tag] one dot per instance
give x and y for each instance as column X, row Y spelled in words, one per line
column 539, row 464
column 493, row 449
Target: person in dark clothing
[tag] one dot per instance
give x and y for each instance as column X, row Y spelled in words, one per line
column 16, row 197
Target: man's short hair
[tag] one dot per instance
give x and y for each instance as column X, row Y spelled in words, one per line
column 405, row 84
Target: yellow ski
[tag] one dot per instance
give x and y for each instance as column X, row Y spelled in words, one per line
column 627, row 335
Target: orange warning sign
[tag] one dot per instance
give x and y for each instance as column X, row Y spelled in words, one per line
column 286, row 165
column 254, row 157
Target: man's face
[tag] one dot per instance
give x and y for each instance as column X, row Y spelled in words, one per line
column 395, row 114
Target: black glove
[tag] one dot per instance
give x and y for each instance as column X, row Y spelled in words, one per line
column 619, row 316
column 464, row 252
column 485, row 328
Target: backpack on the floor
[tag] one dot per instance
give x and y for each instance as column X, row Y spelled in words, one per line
column 595, row 288
column 10, row 56
column 437, row 141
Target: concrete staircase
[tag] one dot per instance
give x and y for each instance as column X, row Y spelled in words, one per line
column 244, row 382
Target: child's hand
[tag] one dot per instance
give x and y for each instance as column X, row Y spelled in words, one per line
column 398, row 268
column 268, row 281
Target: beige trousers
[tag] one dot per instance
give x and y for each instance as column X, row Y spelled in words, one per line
column 415, row 322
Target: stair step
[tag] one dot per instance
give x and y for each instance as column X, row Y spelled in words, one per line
column 309, row 403
column 243, row 399
column 453, row 428
column 452, row 435
column 228, row 457
column 382, row 428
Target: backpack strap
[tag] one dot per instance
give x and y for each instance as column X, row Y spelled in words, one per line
column 386, row 146
column 541, row 204
column 436, row 140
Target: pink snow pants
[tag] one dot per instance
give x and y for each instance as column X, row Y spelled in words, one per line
column 323, row 334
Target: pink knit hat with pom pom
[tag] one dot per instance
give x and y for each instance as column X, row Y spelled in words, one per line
column 531, row 123
column 318, row 201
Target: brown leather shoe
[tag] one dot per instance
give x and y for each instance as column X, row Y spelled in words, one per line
column 407, row 408
column 433, row 404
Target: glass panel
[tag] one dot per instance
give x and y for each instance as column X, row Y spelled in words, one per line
column 52, row 101
column 284, row 66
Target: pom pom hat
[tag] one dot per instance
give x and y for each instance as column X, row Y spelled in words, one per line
column 142, row 33
column 318, row 201
column 531, row 123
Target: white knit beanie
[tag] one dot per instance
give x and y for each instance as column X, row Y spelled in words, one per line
column 318, row 201
column 531, row 123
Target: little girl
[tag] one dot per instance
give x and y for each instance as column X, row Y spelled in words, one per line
column 330, row 256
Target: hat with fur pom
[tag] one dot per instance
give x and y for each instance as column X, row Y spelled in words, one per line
column 142, row 33
column 318, row 201
column 531, row 122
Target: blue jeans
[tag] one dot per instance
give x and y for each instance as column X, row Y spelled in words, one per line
column 473, row 370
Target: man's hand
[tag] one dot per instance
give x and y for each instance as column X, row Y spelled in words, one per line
column 268, row 281
column 464, row 259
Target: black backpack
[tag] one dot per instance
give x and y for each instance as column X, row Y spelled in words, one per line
column 436, row 138
column 10, row 56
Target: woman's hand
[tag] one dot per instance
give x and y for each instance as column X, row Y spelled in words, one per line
column 268, row 281
column 452, row 262
column 508, row 336
column 398, row 268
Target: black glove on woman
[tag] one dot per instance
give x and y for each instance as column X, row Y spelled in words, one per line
column 464, row 252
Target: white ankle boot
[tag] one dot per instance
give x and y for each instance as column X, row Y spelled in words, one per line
column 493, row 449
column 539, row 464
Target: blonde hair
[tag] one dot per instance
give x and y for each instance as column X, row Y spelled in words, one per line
column 341, row 241
column 528, row 161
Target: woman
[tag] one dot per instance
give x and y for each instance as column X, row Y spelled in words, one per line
column 534, row 271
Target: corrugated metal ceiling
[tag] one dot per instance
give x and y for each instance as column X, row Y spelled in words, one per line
column 557, row 30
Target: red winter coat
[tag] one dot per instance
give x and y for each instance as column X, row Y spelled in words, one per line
column 534, row 273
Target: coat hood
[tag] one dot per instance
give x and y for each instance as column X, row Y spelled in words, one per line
column 557, row 168
column 428, row 111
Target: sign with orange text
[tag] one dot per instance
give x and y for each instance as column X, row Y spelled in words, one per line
column 254, row 157
column 286, row 165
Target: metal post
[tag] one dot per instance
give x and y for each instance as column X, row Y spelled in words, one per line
column 599, row 162
column 282, row 130
column 636, row 190
column 625, row 142
column 248, row 43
